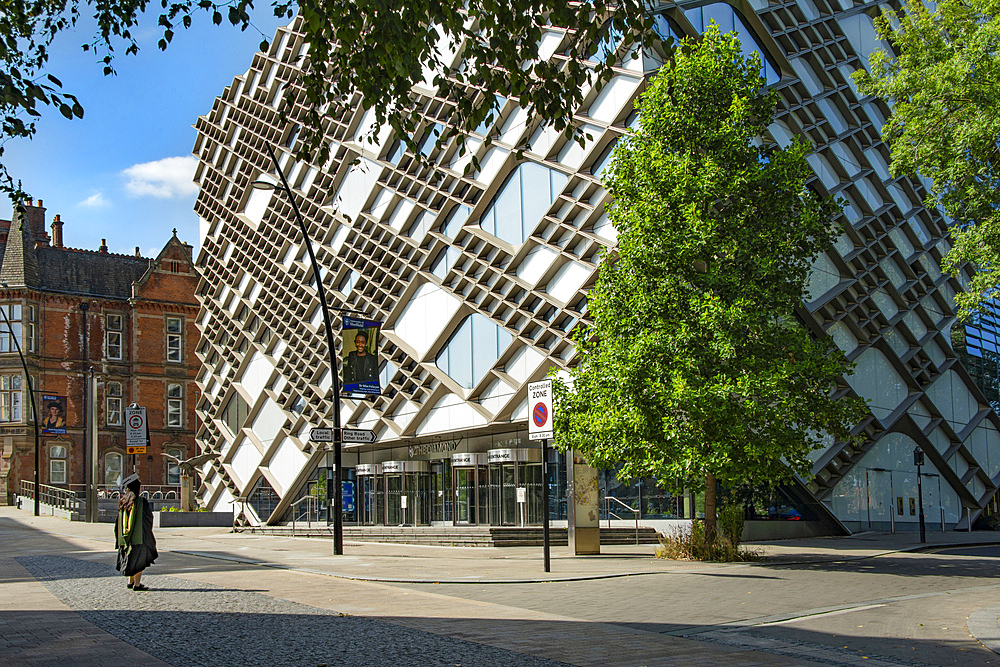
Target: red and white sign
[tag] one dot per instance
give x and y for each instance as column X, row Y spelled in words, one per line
column 540, row 406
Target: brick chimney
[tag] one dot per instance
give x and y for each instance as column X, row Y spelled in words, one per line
column 34, row 214
column 57, row 238
column 104, row 246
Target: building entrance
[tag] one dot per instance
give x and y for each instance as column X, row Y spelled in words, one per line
column 515, row 486
column 408, row 497
column 370, row 503
column 470, row 474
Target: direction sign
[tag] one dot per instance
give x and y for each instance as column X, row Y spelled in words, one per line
column 321, row 435
column 358, row 435
column 540, row 402
column 136, row 434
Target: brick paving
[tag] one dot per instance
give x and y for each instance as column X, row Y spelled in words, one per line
column 854, row 601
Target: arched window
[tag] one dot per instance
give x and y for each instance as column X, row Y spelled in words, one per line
column 113, row 465
column 57, row 464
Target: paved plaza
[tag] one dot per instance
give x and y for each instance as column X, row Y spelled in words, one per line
column 221, row 598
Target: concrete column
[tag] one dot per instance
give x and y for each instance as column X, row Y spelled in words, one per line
column 582, row 504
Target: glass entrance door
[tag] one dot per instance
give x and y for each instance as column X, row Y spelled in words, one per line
column 394, row 514
column 466, row 496
column 515, row 487
column 368, row 500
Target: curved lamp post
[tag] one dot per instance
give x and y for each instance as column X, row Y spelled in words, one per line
column 338, row 517
column 31, row 397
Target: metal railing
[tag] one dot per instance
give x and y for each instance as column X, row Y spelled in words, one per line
column 312, row 505
column 52, row 495
column 152, row 492
column 635, row 513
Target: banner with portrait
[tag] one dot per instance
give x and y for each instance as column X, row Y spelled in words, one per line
column 53, row 414
column 359, row 360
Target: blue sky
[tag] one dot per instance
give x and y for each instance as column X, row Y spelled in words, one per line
column 123, row 172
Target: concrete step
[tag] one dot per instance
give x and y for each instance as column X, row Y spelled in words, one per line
column 481, row 536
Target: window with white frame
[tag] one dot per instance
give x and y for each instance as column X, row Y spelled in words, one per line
column 175, row 339
column 10, row 327
column 113, row 326
column 11, row 398
column 57, row 464
column 113, row 403
column 31, row 340
column 113, row 463
column 174, row 470
column 175, row 405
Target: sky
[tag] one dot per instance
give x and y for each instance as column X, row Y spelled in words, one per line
column 123, row 172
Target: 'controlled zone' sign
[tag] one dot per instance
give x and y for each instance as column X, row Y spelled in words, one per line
column 136, row 434
column 540, row 403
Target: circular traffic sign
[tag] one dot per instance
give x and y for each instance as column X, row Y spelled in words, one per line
column 540, row 415
column 135, row 421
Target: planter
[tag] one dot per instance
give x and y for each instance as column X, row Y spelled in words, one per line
column 192, row 519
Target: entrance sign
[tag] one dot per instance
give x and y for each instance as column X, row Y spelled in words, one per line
column 321, row 435
column 540, row 402
column 136, row 433
column 359, row 347
column 358, row 435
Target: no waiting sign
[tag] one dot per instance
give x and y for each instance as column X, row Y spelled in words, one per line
column 540, row 406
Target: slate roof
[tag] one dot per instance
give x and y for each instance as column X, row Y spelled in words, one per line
column 67, row 270
column 73, row 271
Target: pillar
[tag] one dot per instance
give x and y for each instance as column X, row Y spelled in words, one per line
column 583, row 506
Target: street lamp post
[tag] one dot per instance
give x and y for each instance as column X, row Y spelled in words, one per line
column 338, row 517
column 31, row 398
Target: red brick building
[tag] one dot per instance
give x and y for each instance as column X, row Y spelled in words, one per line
column 128, row 319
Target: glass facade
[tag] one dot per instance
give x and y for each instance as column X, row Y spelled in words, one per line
column 522, row 201
column 481, row 274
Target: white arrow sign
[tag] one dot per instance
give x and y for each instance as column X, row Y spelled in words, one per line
column 321, row 435
column 358, row 435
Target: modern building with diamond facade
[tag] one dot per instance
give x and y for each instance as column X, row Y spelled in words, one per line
column 481, row 276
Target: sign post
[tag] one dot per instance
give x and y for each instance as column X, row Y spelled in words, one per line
column 918, row 460
column 540, row 428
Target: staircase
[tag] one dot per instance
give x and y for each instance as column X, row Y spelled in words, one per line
column 459, row 536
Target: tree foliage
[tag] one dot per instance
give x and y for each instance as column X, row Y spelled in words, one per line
column 944, row 87
column 695, row 364
column 367, row 52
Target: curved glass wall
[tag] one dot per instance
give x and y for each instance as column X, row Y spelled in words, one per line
column 728, row 20
column 522, row 201
column 473, row 349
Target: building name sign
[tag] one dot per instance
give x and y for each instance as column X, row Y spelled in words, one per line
column 433, row 448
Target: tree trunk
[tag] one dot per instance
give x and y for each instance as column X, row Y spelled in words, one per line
column 710, row 509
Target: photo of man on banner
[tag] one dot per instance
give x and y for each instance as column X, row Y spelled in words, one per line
column 359, row 347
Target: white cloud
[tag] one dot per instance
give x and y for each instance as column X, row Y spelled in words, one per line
column 163, row 179
column 95, row 200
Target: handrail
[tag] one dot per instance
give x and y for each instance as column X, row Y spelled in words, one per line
column 51, row 495
column 635, row 513
column 308, row 500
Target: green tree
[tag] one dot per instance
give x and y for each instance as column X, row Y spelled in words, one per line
column 374, row 51
column 695, row 367
column 944, row 88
